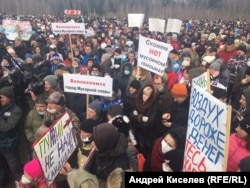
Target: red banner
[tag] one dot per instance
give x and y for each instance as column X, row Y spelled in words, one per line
column 72, row 12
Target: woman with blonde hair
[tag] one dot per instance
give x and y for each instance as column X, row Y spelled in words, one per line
column 144, row 76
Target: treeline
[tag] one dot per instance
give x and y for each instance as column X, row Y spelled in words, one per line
column 199, row 9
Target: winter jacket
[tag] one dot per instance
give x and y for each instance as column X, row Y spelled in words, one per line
column 10, row 126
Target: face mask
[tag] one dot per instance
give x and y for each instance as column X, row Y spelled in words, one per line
column 160, row 88
column 248, row 63
column 126, row 72
column 86, row 140
column 25, row 180
column 103, row 35
column 41, row 113
column 52, row 111
column 165, row 147
column 117, row 66
column 107, row 76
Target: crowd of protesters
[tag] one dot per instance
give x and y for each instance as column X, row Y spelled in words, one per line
column 147, row 113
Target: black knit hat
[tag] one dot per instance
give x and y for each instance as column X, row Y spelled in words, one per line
column 135, row 84
column 174, row 51
column 242, row 47
column 105, row 136
column 179, row 134
column 245, row 124
column 87, row 125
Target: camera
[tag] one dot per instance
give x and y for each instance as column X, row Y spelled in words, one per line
column 37, row 87
column 36, row 84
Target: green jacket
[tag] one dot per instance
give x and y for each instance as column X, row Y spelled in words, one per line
column 32, row 122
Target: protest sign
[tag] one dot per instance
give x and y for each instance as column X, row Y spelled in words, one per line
column 207, row 133
column 16, row 28
column 55, row 147
column 153, row 54
column 92, row 85
column 173, row 25
column 156, row 24
column 68, row 28
column 203, row 81
column 135, row 20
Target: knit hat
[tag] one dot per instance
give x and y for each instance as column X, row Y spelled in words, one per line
column 179, row 90
column 28, row 55
column 87, row 125
column 212, row 49
column 208, row 59
column 56, row 97
column 135, row 84
column 114, row 110
column 52, row 47
column 52, row 79
column 121, row 122
column 244, row 164
column 97, row 106
column 215, row 65
column 245, row 124
column 175, row 158
column 36, row 58
column 105, row 136
column 55, row 57
column 7, row 92
column 186, row 62
column 242, row 47
column 174, row 51
column 229, row 41
column 33, row 169
column 179, row 135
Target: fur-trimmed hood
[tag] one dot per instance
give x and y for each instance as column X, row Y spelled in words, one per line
column 141, row 106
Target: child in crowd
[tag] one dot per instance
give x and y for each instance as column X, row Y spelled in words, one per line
column 33, row 176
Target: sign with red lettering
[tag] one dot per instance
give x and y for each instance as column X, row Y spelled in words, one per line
column 153, row 54
column 72, row 12
column 92, row 85
column 206, row 139
column 68, row 28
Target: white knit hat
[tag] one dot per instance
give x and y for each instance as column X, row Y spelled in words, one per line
column 186, row 62
column 208, row 59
